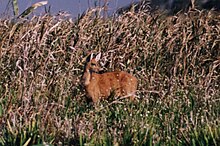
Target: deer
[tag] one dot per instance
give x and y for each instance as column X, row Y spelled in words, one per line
column 102, row 85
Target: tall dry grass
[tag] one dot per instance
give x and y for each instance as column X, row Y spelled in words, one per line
column 176, row 60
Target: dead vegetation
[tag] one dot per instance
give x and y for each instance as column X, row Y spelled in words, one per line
column 176, row 60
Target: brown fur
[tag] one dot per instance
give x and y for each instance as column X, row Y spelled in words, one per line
column 102, row 85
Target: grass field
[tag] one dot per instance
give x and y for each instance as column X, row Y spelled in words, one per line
column 175, row 58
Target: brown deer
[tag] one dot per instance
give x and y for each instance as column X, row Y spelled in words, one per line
column 100, row 86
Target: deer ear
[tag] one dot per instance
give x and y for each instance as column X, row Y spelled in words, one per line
column 91, row 56
column 97, row 58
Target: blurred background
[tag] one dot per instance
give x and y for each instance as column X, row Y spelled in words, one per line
column 74, row 7
column 77, row 7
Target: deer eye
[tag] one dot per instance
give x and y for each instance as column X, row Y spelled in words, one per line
column 93, row 64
